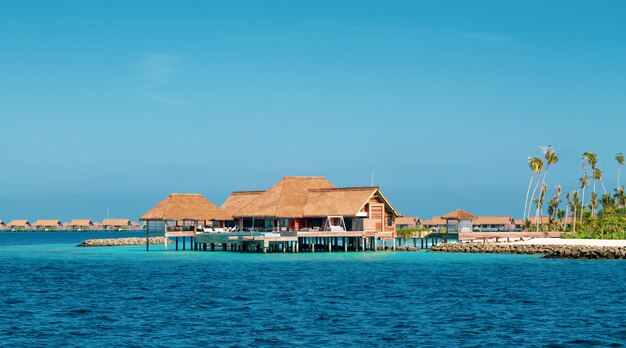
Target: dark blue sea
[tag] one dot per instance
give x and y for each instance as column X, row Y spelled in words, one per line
column 55, row 294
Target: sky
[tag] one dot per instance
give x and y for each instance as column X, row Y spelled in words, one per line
column 115, row 104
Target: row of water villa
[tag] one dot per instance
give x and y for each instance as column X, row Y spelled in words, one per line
column 74, row 225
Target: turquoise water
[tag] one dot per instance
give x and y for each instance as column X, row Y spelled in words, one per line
column 55, row 294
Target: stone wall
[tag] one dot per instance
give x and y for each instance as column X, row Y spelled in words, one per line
column 550, row 251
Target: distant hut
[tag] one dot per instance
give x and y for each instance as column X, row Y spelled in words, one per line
column 48, row 225
column 134, row 225
column 81, row 224
column 407, row 222
column 435, row 223
column 493, row 224
column 458, row 221
column 97, row 225
column 116, row 224
column 3, row 226
column 19, row 225
column 182, row 214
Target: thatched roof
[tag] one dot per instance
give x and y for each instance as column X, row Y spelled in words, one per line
column 407, row 220
column 81, row 223
column 286, row 199
column 436, row 220
column 493, row 220
column 238, row 200
column 342, row 201
column 47, row 223
column 185, row 206
column 116, row 222
column 18, row 223
column 459, row 215
column 2, row 223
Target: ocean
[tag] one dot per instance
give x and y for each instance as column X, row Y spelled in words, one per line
column 55, row 294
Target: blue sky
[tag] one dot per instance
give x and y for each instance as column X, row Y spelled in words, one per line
column 117, row 104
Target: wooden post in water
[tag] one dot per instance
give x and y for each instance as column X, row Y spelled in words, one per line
column 330, row 244
column 147, row 242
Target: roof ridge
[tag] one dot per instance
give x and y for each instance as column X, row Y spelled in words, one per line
column 345, row 188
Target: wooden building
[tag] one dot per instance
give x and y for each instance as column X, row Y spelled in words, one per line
column 116, row 224
column 299, row 203
column 48, row 225
column 183, row 215
column 81, row 224
column 493, row 224
column 459, row 221
column 407, row 222
column 19, row 225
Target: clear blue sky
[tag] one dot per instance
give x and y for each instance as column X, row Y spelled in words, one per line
column 115, row 104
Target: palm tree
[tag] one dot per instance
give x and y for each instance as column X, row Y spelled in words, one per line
column 597, row 175
column 584, row 182
column 592, row 159
column 538, row 169
column 568, row 200
column 560, row 214
column 535, row 165
column 551, row 158
column 542, row 194
column 620, row 163
column 574, row 206
column 593, row 203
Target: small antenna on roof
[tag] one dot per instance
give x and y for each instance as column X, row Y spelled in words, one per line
column 372, row 183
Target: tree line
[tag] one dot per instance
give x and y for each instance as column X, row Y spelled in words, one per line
column 587, row 217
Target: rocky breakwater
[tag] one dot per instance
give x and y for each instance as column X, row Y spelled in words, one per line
column 549, row 250
column 121, row 242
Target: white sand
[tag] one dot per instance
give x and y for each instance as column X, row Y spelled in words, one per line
column 588, row 242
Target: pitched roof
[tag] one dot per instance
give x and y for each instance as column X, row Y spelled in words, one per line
column 459, row 215
column 436, row 220
column 19, row 223
column 407, row 220
column 179, row 206
column 116, row 222
column 285, row 199
column 81, row 222
column 345, row 201
column 47, row 223
column 492, row 220
column 238, row 200
column 2, row 223
column 337, row 201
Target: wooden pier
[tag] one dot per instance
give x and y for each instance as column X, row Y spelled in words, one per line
column 295, row 242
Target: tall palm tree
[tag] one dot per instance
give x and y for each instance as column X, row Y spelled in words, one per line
column 574, row 206
column 592, row 159
column 551, row 158
column 597, row 175
column 542, row 194
column 568, row 201
column 538, row 168
column 620, row 163
column 535, row 165
column 593, row 203
column 584, row 182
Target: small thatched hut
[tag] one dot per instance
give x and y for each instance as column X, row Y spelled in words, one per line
column 183, row 212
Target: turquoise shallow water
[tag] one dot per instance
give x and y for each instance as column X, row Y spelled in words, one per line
column 55, row 294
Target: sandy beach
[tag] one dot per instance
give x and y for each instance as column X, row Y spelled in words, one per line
column 585, row 242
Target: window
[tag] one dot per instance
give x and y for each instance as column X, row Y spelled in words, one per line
column 389, row 220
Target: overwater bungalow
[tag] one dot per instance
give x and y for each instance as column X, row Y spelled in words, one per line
column 3, row 226
column 48, row 225
column 116, row 224
column 19, row 225
column 314, row 204
column 81, row 224
column 408, row 222
column 183, row 214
